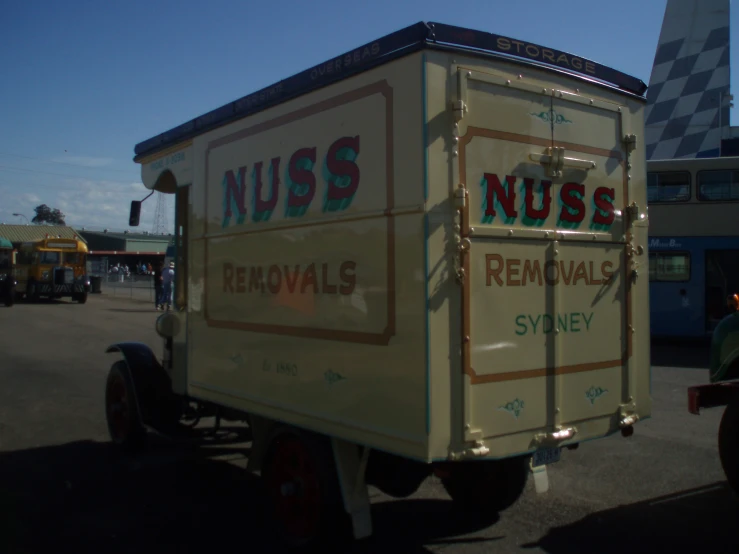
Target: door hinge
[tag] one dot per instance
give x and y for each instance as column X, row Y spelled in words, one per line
column 460, row 109
column 477, row 450
column 460, row 197
column 630, row 142
column 627, row 415
column 632, row 212
column 555, row 437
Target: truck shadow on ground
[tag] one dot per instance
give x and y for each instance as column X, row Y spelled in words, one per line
column 136, row 310
column 84, row 497
column 680, row 353
column 697, row 520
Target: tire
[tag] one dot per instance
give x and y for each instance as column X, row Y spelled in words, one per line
column 32, row 292
column 10, row 299
column 303, row 492
column 124, row 423
column 490, row 486
column 81, row 298
column 728, row 444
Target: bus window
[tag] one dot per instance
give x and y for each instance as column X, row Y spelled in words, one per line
column 50, row 258
column 72, row 258
column 672, row 267
column 672, row 186
column 718, row 184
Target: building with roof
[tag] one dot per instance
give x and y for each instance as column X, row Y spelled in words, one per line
column 110, row 248
column 110, row 243
column 18, row 234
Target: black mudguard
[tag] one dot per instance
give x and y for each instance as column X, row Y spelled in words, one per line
column 159, row 407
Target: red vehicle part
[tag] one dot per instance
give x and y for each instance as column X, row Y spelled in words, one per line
column 711, row 395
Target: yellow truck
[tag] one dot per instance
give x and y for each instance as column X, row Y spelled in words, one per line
column 7, row 272
column 427, row 255
column 53, row 267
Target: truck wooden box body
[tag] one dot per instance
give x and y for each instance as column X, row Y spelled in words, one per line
column 427, row 254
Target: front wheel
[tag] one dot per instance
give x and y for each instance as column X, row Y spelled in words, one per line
column 728, row 444
column 488, row 486
column 124, row 423
column 10, row 298
column 32, row 294
column 82, row 297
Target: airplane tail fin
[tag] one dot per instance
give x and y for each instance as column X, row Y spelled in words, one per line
column 687, row 111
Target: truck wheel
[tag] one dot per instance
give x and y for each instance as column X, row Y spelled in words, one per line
column 303, row 489
column 9, row 299
column 124, row 424
column 82, row 297
column 728, row 444
column 32, row 292
column 489, row 486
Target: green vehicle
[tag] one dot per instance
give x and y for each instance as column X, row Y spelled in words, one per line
column 723, row 390
column 7, row 276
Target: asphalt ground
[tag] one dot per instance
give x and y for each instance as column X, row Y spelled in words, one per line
column 64, row 489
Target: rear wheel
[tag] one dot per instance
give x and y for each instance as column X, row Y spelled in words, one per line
column 124, row 424
column 728, row 444
column 81, row 297
column 302, row 485
column 10, row 298
column 489, row 486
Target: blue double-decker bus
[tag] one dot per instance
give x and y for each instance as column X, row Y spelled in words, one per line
column 693, row 244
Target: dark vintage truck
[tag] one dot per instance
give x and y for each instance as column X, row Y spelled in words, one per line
column 723, row 390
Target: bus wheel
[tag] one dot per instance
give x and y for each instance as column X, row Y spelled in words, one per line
column 82, row 297
column 728, row 444
column 487, row 486
column 124, row 424
column 10, row 299
column 303, row 489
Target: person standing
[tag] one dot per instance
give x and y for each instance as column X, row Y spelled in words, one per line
column 157, row 284
column 167, row 280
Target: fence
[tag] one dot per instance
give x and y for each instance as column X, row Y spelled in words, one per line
column 134, row 285
column 137, row 287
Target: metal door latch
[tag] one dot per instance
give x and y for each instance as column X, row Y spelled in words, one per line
column 555, row 160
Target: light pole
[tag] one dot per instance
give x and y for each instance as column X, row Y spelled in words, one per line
column 23, row 216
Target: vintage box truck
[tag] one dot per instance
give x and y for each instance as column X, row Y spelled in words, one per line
column 424, row 256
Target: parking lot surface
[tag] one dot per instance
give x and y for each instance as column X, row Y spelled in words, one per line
column 63, row 489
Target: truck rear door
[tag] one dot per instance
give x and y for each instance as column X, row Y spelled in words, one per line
column 543, row 258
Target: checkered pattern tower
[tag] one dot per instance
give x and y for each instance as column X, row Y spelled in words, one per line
column 687, row 110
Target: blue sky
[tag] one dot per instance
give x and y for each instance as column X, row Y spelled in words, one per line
column 84, row 81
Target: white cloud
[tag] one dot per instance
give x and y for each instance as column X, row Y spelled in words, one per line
column 87, row 161
column 94, row 204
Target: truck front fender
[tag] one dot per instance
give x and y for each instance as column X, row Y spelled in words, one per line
column 136, row 355
column 152, row 385
column 724, row 364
